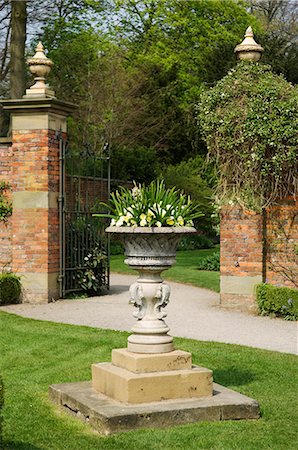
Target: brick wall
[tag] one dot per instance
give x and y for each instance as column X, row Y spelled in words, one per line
column 282, row 239
column 5, row 228
column 243, row 262
column 240, row 256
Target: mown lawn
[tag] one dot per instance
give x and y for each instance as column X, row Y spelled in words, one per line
column 35, row 354
column 184, row 271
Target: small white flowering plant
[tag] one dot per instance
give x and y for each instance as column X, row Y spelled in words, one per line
column 152, row 206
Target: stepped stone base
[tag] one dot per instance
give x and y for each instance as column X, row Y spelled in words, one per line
column 141, row 378
column 108, row 416
column 150, row 390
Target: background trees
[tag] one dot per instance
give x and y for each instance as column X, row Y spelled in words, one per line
column 137, row 68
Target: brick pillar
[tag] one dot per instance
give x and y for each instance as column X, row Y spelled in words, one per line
column 5, row 227
column 35, row 183
column 241, row 257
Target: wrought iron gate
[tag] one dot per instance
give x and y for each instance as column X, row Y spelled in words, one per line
column 84, row 246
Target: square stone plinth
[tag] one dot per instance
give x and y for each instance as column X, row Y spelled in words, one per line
column 146, row 362
column 125, row 386
column 109, row 416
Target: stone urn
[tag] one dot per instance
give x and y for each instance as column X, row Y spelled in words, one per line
column 150, row 251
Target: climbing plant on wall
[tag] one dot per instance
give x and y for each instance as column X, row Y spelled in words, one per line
column 5, row 203
column 250, row 123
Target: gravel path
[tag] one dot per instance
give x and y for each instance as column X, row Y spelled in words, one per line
column 192, row 313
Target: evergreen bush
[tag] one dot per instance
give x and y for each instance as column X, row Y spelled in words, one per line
column 211, row 262
column 277, row 301
column 10, row 288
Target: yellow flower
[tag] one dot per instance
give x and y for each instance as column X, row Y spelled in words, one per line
column 170, row 221
column 180, row 221
column 143, row 221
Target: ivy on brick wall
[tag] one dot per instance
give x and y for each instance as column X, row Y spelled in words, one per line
column 5, row 203
column 250, row 123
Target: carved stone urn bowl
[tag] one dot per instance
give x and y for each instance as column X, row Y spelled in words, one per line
column 150, row 251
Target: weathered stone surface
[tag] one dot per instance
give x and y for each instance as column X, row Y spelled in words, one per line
column 129, row 387
column 109, row 416
column 142, row 363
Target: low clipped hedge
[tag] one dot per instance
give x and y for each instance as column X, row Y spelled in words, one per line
column 277, row 301
column 1, row 406
column 10, row 288
column 211, row 262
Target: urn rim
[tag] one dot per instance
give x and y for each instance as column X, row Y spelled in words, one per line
column 151, row 230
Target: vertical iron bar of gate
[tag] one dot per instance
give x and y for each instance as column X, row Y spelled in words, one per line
column 109, row 193
column 61, row 200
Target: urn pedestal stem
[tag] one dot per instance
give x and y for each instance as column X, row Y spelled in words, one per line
column 150, row 251
column 149, row 295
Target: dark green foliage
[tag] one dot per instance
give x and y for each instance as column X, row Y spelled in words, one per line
column 195, row 242
column 10, row 288
column 139, row 164
column 277, row 301
column 1, row 406
column 116, row 248
column 196, row 179
column 210, row 263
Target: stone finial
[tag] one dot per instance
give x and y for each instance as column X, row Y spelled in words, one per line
column 249, row 50
column 40, row 66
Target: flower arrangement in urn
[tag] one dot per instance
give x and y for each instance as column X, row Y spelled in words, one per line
column 151, row 206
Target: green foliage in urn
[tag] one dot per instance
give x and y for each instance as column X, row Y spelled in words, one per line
column 10, row 288
column 250, row 122
column 5, row 204
column 152, row 206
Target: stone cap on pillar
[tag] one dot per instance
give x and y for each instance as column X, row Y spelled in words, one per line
column 38, row 104
column 33, row 113
column 249, row 50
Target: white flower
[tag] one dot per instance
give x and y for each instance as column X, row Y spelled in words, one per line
column 120, row 221
column 135, row 192
column 113, row 222
column 158, row 224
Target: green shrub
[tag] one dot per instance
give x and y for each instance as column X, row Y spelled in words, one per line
column 1, row 406
column 10, row 288
column 92, row 273
column 195, row 242
column 277, row 301
column 211, row 262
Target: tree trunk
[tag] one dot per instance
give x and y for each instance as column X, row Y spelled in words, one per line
column 17, row 49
